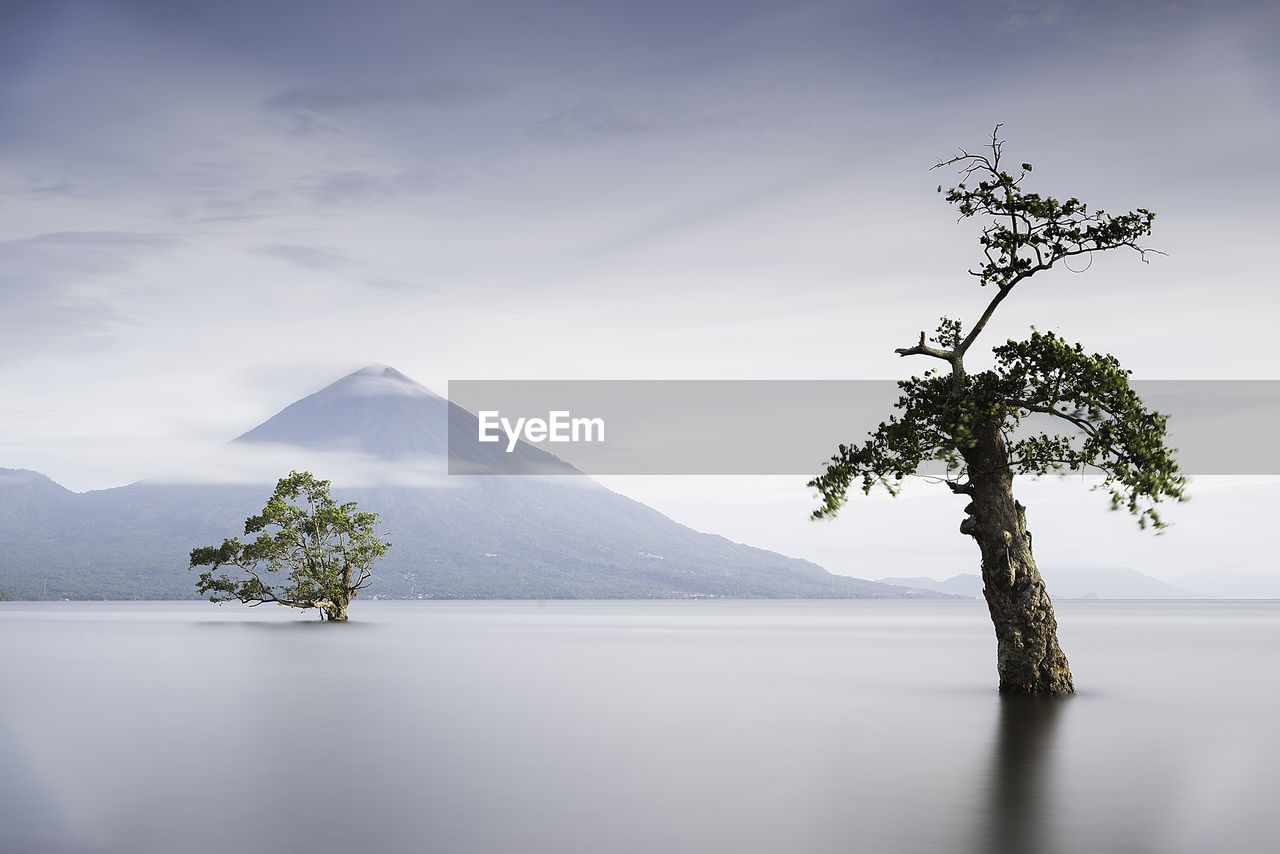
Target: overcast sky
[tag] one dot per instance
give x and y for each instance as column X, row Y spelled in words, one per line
column 208, row 210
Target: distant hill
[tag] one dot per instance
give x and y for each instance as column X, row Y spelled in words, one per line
column 514, row 536
column 968, row 584
column 1231, row 585
column 1064, row 583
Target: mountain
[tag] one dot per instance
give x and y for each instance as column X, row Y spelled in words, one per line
column 28, row 497
column 375, row 410
column 30, row 505
column 381, row 413
column 1215, row 584
column 968, row 584
column 1115, row 582
column 1064, row 583
column 383, row 439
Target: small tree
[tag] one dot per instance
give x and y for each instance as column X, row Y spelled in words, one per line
column 968, row 421
column 327, row 550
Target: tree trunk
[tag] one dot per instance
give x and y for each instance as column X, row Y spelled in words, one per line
column 1028, row 657
column 336, row 611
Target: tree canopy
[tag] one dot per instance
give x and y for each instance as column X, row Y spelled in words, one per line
column 310, row 552
column 1109, row 430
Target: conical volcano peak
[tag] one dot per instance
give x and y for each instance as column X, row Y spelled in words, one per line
column 376, row 410
column 381, row 371
column 377, row 380
column 379, row 412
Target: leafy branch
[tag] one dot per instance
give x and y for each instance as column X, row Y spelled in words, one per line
column 938, row 414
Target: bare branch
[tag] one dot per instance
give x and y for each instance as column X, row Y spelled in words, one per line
column 923, row 349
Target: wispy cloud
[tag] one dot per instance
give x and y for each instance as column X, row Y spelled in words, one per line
column 357, row 188
column 239, row 462
column 1082, row 15
column 308, row 257
column 59, row 255
column 324, row 109
column 39, row 187
column 586, row 121
column 333, row 99
column 60, row 290
column 401, row 286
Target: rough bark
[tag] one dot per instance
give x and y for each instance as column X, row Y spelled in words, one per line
column 336, row 611
column 1028, row 658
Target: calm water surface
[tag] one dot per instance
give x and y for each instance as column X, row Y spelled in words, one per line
column 631, row 727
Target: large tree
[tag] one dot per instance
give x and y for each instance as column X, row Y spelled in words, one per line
column 981, row 425
column 325, row 549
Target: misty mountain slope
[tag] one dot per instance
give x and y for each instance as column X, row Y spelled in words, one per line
column 30, row 498
column 125, row 543
column 34, row 515
column 494, row 536
column 1065, row 583
column 533, row 538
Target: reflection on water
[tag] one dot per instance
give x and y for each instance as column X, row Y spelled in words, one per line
column 629, row 727
column 1020, row 800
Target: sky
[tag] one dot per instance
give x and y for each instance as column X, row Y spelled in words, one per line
column 208, row 211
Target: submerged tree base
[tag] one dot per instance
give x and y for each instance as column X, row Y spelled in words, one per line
column 1056, row 687
column 1028, row 657
column 1051, row 678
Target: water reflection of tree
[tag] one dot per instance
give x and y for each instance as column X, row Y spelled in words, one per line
column 1020, row 805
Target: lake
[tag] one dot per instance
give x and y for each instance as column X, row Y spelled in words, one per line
column 702, row 726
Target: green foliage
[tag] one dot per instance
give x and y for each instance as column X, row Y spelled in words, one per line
column 924, row 431
column 949, row 333
column 938, row 416
column 1029, row 232
column 1117, row 434
column 324, row 551
column 1114, row 434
